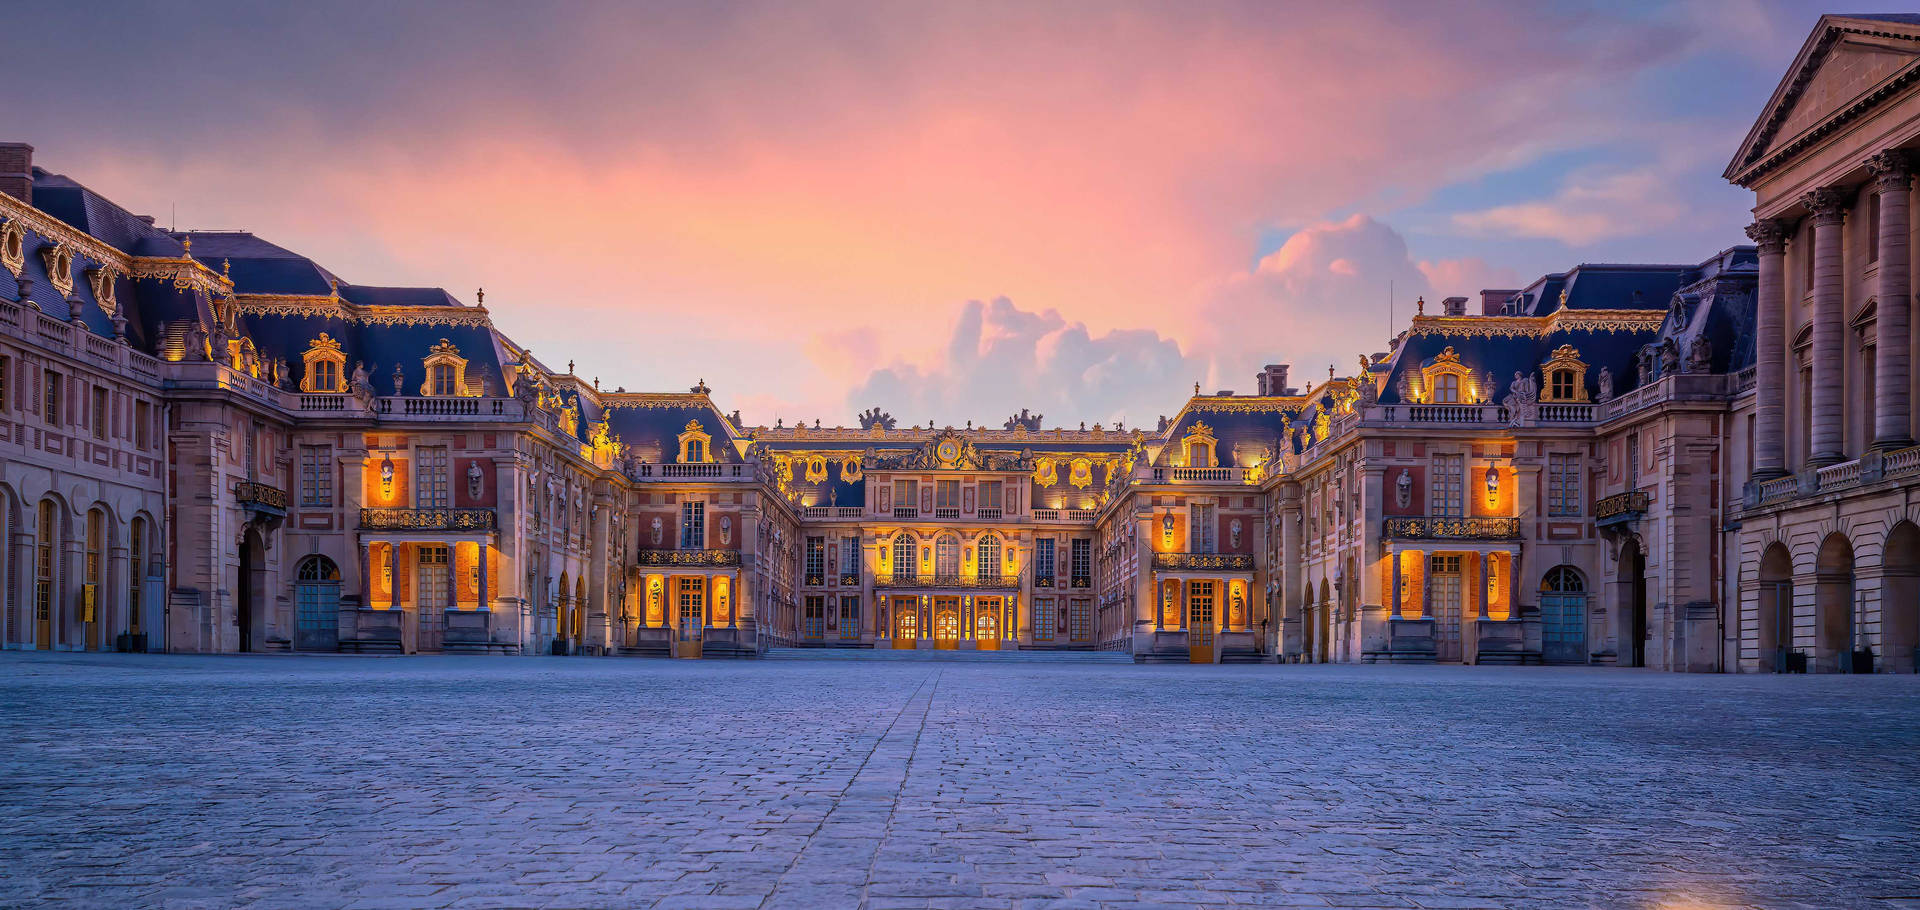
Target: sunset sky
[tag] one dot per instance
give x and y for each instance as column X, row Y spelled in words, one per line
column 951, row 211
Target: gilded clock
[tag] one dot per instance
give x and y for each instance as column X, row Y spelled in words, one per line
column 948, row 451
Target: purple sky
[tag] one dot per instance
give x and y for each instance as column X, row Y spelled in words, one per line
column 948, row 211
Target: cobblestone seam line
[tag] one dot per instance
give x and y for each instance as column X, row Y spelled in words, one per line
column 836, row 863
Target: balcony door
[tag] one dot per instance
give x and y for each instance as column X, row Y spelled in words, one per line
column 986, row 623
column 946, row 623
column 690, row 631
column 906, row 621
column 1444, row 605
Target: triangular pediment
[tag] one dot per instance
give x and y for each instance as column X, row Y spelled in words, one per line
column 1846, row 65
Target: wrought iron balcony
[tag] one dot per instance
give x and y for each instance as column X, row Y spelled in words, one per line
column 671, row 558
column 427, row 520
column 1453, row 528
column 260, row 495
column 1205, row 562
column 1620, row 507
column 945, row 581
column 849, row 580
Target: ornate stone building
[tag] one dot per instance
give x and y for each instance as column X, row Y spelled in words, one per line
column 211, row 443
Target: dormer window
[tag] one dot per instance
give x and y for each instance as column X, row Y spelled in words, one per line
column 696, row 445
column 13, row 246
column 1446, row 389
column 1562, row 385
column 442, row 381
column 446, row 372
column 1566, row 376
column 59, row 262
column 325, row 366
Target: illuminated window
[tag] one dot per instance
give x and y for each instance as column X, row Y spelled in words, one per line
column 1043, row 619
column 946, row 555
column 1562, row 385
column 946, row 498
column 1082, row 562
column 1202, row 528
column 1449, row 473
column 905, row 562
column 988, row 564
column 1446, row 389
column 326, row 376
column 849, row 616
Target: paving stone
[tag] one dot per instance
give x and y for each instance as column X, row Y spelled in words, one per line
column 289, row 782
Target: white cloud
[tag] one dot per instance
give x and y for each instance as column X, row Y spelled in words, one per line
column 1000, row 358
column 1589, row 207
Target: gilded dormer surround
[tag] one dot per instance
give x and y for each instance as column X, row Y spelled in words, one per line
column 324, row 365
column 1564, row 377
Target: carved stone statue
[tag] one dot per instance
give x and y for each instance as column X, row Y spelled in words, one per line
column 361, row 387
column 1606, row 384
column 474, row 480
column 1403, row 488
column 1233, row 533
column 1669, row 358
column 398, row 378
column 872, row 418
column 726, row 530
column 657, row 528
column 1700, row 354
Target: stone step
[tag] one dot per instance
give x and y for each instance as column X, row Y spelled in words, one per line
column 1105, row 657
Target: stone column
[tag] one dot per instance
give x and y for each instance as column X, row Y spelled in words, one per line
column 453, row 580
column 1829, row 327
column 1893, row 355
column 393, row 575
column 24, row 620
column 1770, row 351
column 480, row 593
column 1394, row 558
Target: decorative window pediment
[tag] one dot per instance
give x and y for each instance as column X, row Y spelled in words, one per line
column 1563, row 376
column 13, row 246
column 59, row 262
column 100, row 281
column 446, row 373
column 1198, row 447
column 696, row 445
column 1447, row 381
column 324, row 365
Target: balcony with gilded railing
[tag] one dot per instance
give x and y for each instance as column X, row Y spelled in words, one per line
column 260, row 496
column 1203, row 562
column 1430, row 528
column 686, row 558
column 442, row 519
column 1621, row 507
column 962, row 581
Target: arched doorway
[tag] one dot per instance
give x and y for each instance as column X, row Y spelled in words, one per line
column 1323, row 632
column 317, row 604
column 1773, row 622
column 1563, row 616
column 247, row 601
column 46, row 593
column 1900, row 599
column 1633, row 592
column 1833, row 606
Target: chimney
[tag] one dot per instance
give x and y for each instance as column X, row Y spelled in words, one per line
column 1494, row 302
column 1272, row 380
column 1454, row 306
column 16, row 170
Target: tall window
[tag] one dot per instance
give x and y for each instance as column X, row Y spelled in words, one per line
column 946, row 555
column 990, row 498
column 1633, row 461
column 1446, row 389
column 100, row 414
column 6, row 382
column 1043, row 568
column 849, row 616
column 693, row 526
column 317, row 593
column 142, row 423
column 1082, row 562
column 136, row 571
column 906, row 563
column 443, row 379
column 988, row 565
column 814, row 617
column 816, row 560
column 906, row 498
column 430, row 477
column 96, row 563
column 316, row 476
column 50, row 398
column 696, row 451
column 1448, row 473
column 849, row 559
column 1563, row 484
column 946, row 498
column 1202, row 530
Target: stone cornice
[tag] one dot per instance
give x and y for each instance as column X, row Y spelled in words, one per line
column 1535, row 326
column 1757, row 157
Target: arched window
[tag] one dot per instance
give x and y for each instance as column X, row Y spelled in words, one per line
column 1446, row 389
column 1563, row 580
column 989, row 562
column 946, row 555
column 904, row 563
column 1562, row 385
column 317, row 594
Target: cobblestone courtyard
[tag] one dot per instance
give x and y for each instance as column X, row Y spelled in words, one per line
column 150, row 781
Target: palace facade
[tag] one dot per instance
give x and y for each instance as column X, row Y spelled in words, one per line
column 212, row 443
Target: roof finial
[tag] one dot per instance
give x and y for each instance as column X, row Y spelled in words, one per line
column 226, row 268
column 569, row 366
column 1420, row 305
column 596, row 383
column 1329, row 372
column 1196, row 388
column 480, row 297
column 186, row 245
